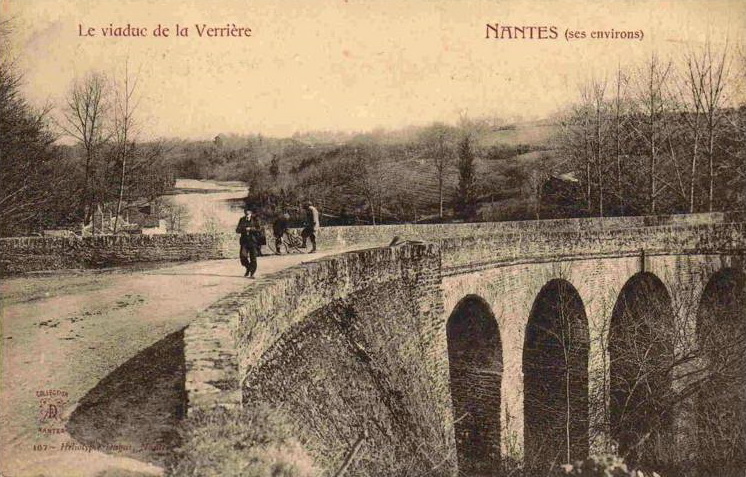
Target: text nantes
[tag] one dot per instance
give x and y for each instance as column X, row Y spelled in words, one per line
column 513, row 32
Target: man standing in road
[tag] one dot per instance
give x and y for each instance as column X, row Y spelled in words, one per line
column 312, row 225
column 250, row 230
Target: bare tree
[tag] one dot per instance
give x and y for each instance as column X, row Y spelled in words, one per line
column 542, row 172
column 664, row 381
column 585, row 113
column 598, row 93
column 124, row 108
column 652, row 106
column 176, row 215
column 576, row 142
column 695, row 76
column 716, row 66
column 556, row 378
column 84, row 120
column 437, row 141
column 703, row 92
column 620, row 105
column 368, row 178
column 658, row 131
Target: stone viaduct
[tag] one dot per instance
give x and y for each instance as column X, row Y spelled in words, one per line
column 527, row 342
column 534, row 342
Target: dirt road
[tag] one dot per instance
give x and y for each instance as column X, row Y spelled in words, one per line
column 62, row 333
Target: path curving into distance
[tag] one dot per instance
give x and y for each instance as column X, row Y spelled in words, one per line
column 81, row 353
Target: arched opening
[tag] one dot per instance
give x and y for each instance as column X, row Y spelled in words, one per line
column 641, row 341
column 721, row 398
column 475, row 363
column 555, row 378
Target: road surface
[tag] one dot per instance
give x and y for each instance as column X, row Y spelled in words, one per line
column 63, row 332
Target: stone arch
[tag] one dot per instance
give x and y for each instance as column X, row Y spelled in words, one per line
column 720, row 405
column 641, row 352
column 476, row 366
column 555, row 378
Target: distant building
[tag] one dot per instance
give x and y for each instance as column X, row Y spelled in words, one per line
column 561, row 196
column 160, row 228
column 134, row 219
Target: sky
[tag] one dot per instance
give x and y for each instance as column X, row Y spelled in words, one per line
column 352, row 65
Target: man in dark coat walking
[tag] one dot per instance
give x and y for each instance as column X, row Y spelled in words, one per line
column 250, row 230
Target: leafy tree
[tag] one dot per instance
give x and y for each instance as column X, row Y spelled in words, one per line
column 29, row 176
column 274, row 167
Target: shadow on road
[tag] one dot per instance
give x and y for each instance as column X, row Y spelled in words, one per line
column 134, row 410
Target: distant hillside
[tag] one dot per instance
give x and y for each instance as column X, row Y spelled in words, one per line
column 534, row 133
column 325, row 166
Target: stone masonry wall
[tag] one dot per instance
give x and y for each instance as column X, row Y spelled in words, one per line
column 383, row 234
column 376, row 313
column 357, row 364
column 26, row 254
column 467, row 254
column 510, row 288
column 257, row 317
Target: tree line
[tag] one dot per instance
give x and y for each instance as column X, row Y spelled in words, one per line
column 661, row 137
column 665, row 136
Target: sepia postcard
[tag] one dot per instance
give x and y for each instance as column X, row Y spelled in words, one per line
column 372, row 238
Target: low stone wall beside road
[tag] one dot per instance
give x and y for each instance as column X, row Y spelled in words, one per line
column 28, row 254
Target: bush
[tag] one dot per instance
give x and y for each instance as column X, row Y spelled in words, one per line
column 246, row 443
column 601, row 466
column 507, row 210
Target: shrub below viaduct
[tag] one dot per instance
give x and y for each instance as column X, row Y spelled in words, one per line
column 518, row 346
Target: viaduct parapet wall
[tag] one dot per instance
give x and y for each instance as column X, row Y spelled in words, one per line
column 467, row 254
column 27, row 254
column 383, row 234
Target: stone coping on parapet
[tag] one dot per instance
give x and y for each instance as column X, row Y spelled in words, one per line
column 382, row 234
column 467, row 254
